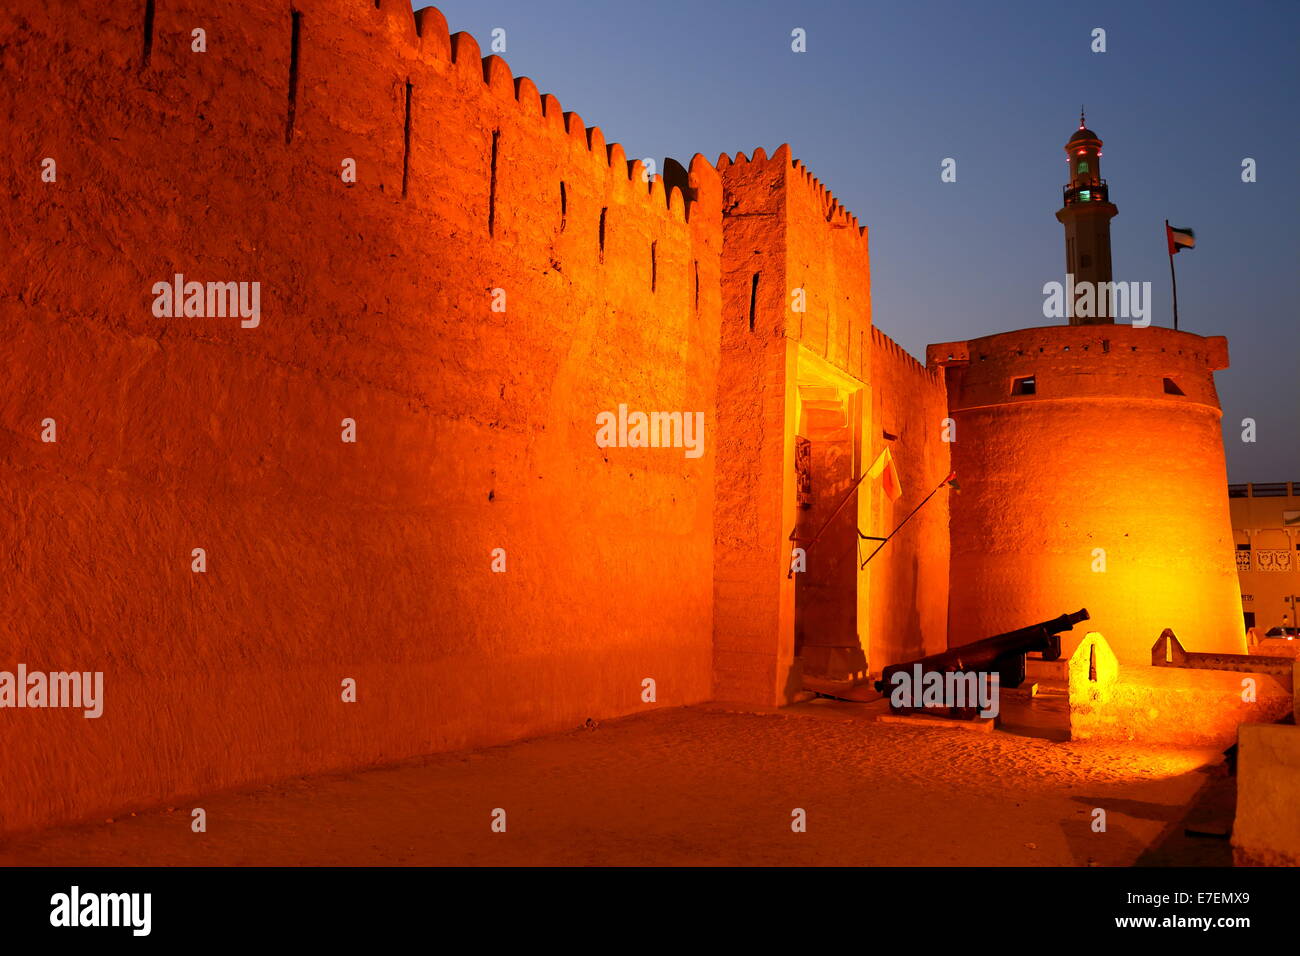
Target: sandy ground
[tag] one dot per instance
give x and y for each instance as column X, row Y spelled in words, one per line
column 701, row 785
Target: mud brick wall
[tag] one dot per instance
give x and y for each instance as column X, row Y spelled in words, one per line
column 475, row 429
column 909, row 577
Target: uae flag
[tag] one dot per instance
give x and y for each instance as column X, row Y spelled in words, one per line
column 1179, row 238
column 883, row 468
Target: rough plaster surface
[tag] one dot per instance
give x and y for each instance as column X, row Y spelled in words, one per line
column 1266, row 831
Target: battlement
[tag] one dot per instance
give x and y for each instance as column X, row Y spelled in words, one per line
column 887, row 346
column 1084, row 342
column 835, row 213
column 463, row 53
column 799, row 177
column 338, row 49
column 1082, row 362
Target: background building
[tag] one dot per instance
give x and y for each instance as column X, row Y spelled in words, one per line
column 1266, row 531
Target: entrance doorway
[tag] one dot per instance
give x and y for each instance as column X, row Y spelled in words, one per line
column 828, row 460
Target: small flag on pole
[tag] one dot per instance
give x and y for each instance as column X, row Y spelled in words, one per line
column 1179, row 238
column 884, row 469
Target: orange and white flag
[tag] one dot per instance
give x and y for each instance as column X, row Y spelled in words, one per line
column 884, row 469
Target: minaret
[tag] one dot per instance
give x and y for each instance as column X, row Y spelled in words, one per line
column 1086, row 216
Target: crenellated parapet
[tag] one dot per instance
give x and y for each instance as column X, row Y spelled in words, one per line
column 800, row 181
column 887, row 347
column 1082, row 362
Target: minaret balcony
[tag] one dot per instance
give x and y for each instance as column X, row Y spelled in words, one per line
column 1087, row 193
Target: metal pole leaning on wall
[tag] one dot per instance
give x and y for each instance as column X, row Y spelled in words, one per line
column 826, row 524
column 951, row 479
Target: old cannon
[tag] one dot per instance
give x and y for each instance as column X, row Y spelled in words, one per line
column 955, row 684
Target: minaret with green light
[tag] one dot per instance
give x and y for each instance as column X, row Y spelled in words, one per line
column 1086, row 216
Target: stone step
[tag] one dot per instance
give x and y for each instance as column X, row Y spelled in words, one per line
column 979, row 725
column 1038, row 669
column 1026, row 691
column 1053, row 688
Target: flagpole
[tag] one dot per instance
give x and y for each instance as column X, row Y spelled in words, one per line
column 1173, row 278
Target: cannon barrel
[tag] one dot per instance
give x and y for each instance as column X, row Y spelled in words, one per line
column 1004, row 653
column 1044, row 636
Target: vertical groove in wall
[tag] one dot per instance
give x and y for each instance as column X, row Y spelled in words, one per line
column 492, row 185
column 294, row 41
column 564, row 206
column 753, row 300
column 148, row 33
column 603, row 211
column 697, row 286
column 654, row 265
column 406, row 141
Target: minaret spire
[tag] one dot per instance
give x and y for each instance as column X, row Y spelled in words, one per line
column 1082, row 122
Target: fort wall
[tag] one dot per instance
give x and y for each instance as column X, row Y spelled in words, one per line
column 909, row 577
column 475, row 429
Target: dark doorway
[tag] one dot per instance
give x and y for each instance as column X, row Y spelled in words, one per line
column 826, row 592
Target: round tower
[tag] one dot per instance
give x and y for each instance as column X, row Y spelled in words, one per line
column 1086, row 214
column 1092, row 475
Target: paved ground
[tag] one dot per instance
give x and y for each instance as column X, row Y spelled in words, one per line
column 702, row 785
